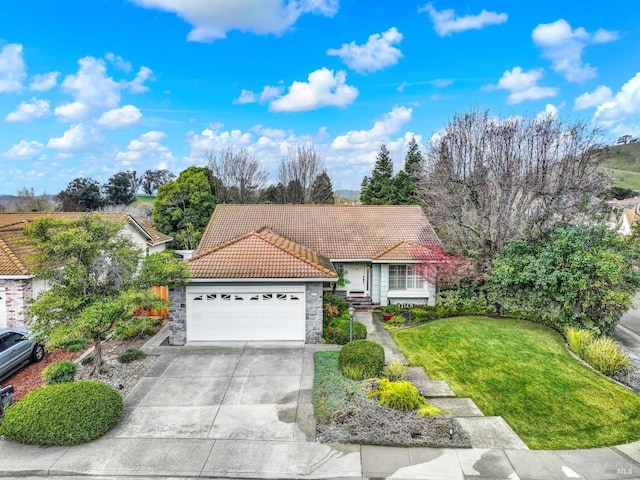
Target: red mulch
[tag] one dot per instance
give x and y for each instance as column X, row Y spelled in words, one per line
column 30, row 377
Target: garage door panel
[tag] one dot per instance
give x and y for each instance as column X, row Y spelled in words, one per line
column 245, row 315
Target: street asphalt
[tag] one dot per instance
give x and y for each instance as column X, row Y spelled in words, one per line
column 242, row 410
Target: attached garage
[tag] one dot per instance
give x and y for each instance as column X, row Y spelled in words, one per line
column 246, row 313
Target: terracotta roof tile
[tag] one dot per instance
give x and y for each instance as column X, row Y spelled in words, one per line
column 263, row 254
column 404, row 250
column 14, row 253
column 335, row 231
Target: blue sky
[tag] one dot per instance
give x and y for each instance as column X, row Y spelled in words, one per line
column 91, row 88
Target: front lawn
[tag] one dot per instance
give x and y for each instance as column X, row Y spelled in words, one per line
column 522, row 371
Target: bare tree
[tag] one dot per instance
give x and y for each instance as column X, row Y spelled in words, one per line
column 488, row 181
column 28, row 201
column 240, row 176
column 298, row 170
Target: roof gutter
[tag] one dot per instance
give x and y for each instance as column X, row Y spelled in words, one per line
column 265, row 280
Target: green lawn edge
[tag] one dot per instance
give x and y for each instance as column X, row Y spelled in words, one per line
column 523, row 372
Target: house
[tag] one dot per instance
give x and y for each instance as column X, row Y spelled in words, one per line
column 260, row 270
column 17, row 283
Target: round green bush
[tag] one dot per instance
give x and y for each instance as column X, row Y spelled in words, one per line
column 63, row 414
column 131, row 354
column 59, row 372
column 362, row 359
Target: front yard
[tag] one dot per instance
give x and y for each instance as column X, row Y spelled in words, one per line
column 523, row 372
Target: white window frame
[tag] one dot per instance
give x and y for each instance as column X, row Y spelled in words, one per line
column 404, row 277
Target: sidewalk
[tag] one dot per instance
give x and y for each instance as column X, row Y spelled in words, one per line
column 297, row 457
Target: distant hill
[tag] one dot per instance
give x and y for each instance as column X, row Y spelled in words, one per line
column 625, row 165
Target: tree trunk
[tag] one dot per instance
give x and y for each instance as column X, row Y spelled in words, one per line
column 97, row 357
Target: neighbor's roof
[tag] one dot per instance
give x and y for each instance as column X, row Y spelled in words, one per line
column 261, row 254
column 14, row 253
column 334, row 231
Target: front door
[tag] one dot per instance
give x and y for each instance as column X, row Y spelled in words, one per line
column 356, row 273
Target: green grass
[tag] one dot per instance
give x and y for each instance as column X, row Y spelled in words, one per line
column 523, row 372
column 624, row 165
column 626, row 179
column 143, row 200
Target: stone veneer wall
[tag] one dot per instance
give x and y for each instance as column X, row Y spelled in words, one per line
column 17, row 292
column 314, row 312
column 178, row 315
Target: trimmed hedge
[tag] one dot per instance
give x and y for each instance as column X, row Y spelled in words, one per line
column 362, row 359
column 63, row 414
column 338, row 332
column 59, row 372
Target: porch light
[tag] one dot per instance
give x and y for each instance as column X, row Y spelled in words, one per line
column 351, row 312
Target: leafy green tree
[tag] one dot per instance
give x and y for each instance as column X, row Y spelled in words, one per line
column 81, row 195
column 152, row 180
column 406, row 180
column 183, row 207
column 93, row 273
column 273, row 194
column 380, row 188
column 322, row 190
column 121, row 188
column 583, row 276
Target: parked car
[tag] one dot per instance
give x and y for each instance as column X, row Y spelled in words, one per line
column 6, row 398
column 16, row 350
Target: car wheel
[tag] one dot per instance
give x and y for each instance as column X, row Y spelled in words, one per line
column 38, row 353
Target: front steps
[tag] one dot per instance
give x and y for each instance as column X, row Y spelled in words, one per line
column 362, row 303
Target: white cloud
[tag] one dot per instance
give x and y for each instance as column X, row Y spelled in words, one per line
column 28, row 111
column 564, row 46
column 523, row 86
column 79, row 138
column 623, row 106
column 549, row 110
column 268, row 93
column 322, row 89
column 24, row 150
column 137, row 84
column 91, row 88
column 120, row 117
column 388, row 124
column 599, row 96
column 445, row 22
column 146, row 148
column 12, row 68
column 374, row 55
column 212, row 20
column 44, row 81
column 118, row 62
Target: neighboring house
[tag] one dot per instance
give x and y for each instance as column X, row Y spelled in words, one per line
column 260, row 270
column 17, row 283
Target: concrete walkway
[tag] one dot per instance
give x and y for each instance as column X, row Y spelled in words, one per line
column 244, row 411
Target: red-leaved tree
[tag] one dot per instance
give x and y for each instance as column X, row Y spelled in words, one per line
column 444, row 270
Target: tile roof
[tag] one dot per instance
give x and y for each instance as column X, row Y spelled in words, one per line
column 404, row 250
column 14, row 253
column 335, row 231
column 155, row 236
column 261, row 254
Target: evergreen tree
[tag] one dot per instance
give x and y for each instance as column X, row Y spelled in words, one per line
column 406, row 181
column 82, row 194
column 322, row 190
column 380, row 189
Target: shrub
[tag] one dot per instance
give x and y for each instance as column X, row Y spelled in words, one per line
column 605, row 355
column 395, row 371
column 365, row 357
column 431, row 411
column 131, row 354
column 338, row 332
column 140, row 327
column 578, row 338
column 64, row 414
column 337, row 301
column 332, row 391
column 392, row 309
column 396, row 320
column 399, row 395
column 88, row 360
column 74, row 344
column 59, row 372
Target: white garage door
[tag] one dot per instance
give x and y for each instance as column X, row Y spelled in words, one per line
column 245, row 314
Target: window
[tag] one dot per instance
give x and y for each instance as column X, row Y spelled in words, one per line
column 404, row 277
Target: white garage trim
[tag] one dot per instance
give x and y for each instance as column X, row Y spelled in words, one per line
column 245, row 313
